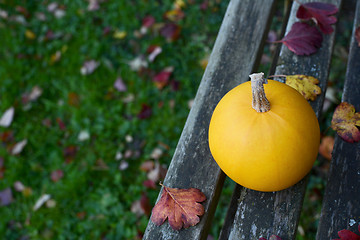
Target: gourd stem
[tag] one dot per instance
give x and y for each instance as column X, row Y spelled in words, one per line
column 259, row 102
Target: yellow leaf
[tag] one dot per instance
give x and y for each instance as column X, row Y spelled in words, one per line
column 346, row 122
column 29, row 34
column 306, row 85
column 179, row 4
column 119, row 34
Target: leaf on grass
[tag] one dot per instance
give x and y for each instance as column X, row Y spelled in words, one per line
column 180, row 206
column 18, row 147
column 120, row 85
column 346, row 122
column 145, row 111
column 320, row 13
column 43, row 199
column 162, row 78
column 174, row 15
column 153, row 51
column 306, row 85
column 6, row 197
column 30, row 34
column 2, row 168
column 56, row 175
column 170, row 31
column 357, row 35
column 7, row 117
column 141, row 206
column 89, row 67
column 302, row 39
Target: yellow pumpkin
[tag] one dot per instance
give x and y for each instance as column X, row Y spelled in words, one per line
column 269, row 150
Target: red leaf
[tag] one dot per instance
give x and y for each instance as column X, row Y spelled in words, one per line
column 170, row 31
column 2, row 168
column 357, row 35
column 162, row 78
column 320, row 12
column 303, row 39
column 145, row 111
column 57, row 175
column 348, row 235
column 148, row 21
column 181, row 206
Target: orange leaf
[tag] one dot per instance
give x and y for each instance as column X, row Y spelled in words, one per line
column 326, row 147
column 180, row 206
column 346, row 122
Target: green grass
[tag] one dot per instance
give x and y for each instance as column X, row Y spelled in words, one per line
column 104, row 196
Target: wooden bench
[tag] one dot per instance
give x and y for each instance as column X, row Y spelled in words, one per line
column 252, row 214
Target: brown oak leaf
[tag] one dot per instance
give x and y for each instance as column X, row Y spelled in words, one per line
column 181, row 206
column 346, row 121
column 306, row 85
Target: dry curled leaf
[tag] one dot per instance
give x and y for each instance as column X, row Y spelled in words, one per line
column 306, row 85
column 181, row 206
column 346, row 121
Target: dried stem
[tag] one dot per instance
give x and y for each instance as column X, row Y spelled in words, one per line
column 260, row 103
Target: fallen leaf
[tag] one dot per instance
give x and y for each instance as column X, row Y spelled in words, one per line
column 19, row 186
column 30, row 35
column 120, row 85
column 73, row 99
column 147, row 166
column 181, row 206
column 157, row 173
column 138, row 63
column 61, row 124
column 18, row 147
column 56, row 175
column 149, row 184
column 327, row 146
column 153, row 51
column 302, row 39
column 70, row 153
column 162, row 78
column 93, row 5
column 6, row 197
column 123, row 165
column 170, row 31
column 83, row 135
column 89, row 67
column 51, row 203
column 33, row 95
column 43, row 199
column 141, row 206
column 118, row 34
column 348, row 235
column 306, row 85
column 357, row 35
column 145, row 111
column 7, row 117
column 346, row 122
column 100, row 165
column 174, row 15
column 320, row 13
column 148, row 21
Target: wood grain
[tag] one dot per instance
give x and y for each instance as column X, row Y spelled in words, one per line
column 235, row 55
column 341, row 204
column 261, row 214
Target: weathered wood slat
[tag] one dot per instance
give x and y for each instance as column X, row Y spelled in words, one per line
column 236, row 52
column 262, row 214
column 341, row 204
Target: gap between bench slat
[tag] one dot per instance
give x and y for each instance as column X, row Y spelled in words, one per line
column 236, row 52
column 262, row 214
column 341, row 204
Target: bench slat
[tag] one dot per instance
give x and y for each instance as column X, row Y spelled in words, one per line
column 261, row 214
column 341, row 204
column 236, row 53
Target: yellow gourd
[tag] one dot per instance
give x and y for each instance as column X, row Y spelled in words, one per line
column 265, row 143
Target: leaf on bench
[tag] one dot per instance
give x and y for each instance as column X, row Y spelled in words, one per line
column 181, row 206
column 346, row 122
column 348, row 235
column 320, row 13
column 303, row 39
column 306, row 85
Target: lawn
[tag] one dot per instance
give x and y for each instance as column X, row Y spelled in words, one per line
column 100, row 91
